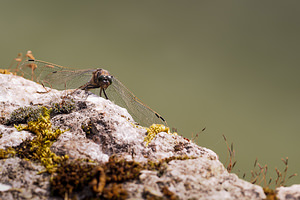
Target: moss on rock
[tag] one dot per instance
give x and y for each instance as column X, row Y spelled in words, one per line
column 39, row 147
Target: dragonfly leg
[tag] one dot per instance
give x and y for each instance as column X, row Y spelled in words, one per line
column 104, row 93
column 46, row 90
column 102, row 89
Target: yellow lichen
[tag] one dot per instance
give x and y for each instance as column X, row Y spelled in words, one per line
column 154, row 129
column 5, row 71
column 39, row 147
column 5, row 153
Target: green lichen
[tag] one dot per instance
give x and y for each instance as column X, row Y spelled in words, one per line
column 64, row 107
column 39, row 147
column 24, row 115
column 154, row 129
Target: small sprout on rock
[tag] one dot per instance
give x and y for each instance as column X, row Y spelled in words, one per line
column 231, row 156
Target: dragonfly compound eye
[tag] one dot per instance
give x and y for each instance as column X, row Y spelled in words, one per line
column 105, row 79
column 109, row 78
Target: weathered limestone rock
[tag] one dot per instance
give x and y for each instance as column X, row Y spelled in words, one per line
column 97, row 129
column 288, row 193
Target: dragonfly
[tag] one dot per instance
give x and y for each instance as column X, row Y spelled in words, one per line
column 59, row 77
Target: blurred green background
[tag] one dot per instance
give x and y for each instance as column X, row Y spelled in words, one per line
column 230, row 66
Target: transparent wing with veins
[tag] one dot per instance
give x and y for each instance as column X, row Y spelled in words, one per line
column 58, row 77
column 68, row 79
column 55, row 76
column 140, row 112
column 36, row 70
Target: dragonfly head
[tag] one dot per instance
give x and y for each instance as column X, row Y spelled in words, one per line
column 104, row 79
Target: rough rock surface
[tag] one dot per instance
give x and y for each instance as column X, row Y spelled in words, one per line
column 288, row 193
column 110, row 132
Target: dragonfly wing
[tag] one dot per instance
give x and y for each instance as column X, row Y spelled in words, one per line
column 140, row 112
column 68, row 79
column 15, row 64
column 54, row 76
column 36, row 70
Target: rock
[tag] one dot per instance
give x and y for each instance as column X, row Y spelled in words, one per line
column 288, row 193
column 4, row 187
column 11, row 137
column 96, row 129
column 23, row 177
